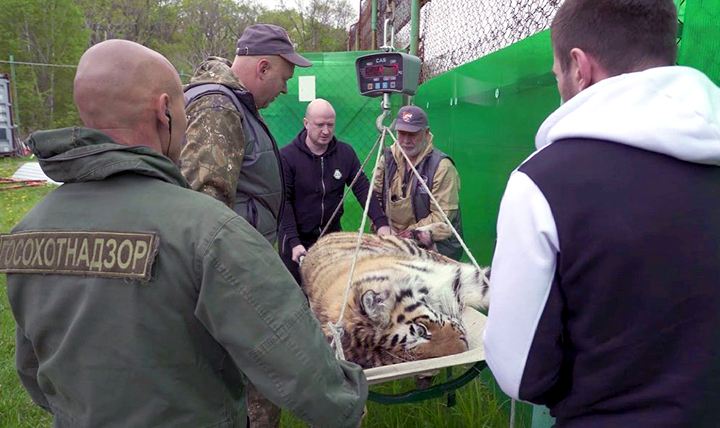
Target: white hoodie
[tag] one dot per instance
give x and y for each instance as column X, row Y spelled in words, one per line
column 669, row 110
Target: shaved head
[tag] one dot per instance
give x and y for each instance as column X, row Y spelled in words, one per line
column 319, row 106
column 120, row 86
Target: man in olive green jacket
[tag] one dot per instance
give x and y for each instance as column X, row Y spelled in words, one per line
column 140, row 303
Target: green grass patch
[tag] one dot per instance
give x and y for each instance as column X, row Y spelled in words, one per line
column 16, row 407
column 478, row 406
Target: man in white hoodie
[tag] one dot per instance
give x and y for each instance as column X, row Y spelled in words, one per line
column 605, row 282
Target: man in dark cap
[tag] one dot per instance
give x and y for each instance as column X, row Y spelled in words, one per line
column 229, row 152
column 406, row 203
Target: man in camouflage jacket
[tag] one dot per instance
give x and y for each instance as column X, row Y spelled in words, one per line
column 229, row 152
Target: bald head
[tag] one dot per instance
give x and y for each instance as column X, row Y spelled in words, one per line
column 320, row 125
column 123, row 89
column 117, row 81
column 319, row 106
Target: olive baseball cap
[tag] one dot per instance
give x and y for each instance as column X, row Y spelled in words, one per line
column 410, row 119
column 268, row 39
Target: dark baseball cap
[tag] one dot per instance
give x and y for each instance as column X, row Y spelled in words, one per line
column 410, row 119
column 268, row 39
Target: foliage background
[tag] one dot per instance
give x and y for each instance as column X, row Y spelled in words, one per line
column 57, row 32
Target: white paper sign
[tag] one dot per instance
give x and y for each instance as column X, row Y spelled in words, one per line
column 306, row 88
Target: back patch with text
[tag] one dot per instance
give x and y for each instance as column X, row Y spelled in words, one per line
column 86, row 253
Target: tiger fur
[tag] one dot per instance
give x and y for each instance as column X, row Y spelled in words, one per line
column 405, row 302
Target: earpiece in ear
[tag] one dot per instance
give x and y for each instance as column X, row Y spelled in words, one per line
column 167, row 113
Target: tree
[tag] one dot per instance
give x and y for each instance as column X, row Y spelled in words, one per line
column 151, row 23
column 43, row 32
column 318, row 25
column 57, row 32
column 211, row 28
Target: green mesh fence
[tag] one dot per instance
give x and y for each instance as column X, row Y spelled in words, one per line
column 700, row 46
column 455, row 32
column 334, row 80
column 484, row 114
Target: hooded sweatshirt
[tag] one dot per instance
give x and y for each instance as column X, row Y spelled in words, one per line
column 142, row 303
column 314, row 186
column 605, row 282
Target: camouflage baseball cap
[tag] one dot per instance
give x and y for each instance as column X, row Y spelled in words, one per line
column 410, row 119
column 268, row 39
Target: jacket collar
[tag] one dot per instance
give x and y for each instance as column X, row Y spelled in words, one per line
column 669, row 110
column 299, row 141
column 80, row 154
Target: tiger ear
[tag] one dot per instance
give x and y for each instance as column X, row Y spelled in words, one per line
column 377, row 307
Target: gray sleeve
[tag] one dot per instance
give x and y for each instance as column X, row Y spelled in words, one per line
column 27, row 367
column 252, row 306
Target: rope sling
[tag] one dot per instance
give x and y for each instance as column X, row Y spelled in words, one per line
column 337, row 329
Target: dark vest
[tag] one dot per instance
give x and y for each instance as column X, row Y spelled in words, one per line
column 421, row 201
column 260, row 194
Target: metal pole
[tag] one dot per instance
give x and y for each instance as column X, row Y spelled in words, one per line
column 15, row 103
column 374, row 24
column 414, row 26
column 357, row 29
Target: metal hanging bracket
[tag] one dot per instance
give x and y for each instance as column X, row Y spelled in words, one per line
column 385, row 106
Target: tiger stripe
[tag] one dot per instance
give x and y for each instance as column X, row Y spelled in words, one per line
column 404, row 321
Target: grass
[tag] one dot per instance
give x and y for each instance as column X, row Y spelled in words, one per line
column 16, row 408
column 478, row 406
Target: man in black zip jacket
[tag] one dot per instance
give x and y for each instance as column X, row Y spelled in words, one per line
column 317, row 167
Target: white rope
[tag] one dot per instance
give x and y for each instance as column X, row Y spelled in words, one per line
column 337, row 329
column 512, row 413
column 445, row 217
column 347, row 191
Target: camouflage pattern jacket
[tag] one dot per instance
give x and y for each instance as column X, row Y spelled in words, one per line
column 130, row 312
column 229, row 153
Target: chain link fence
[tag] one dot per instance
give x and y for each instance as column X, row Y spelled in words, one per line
column 455, row 32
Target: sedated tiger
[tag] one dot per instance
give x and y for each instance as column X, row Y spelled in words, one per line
column 405, row 301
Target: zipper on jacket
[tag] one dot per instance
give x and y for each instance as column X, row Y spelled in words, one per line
column 322, row 200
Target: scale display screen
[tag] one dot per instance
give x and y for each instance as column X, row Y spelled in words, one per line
column 387, row 72
column 381, row 70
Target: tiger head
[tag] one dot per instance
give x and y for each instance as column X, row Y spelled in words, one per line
column 400, row 326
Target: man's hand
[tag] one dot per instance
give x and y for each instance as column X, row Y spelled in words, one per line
column 298, row 251
column 384, row 231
